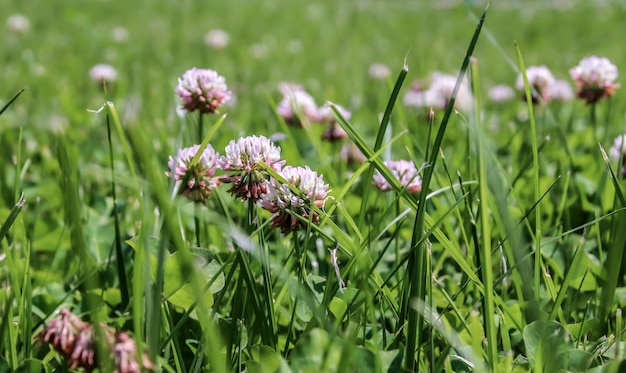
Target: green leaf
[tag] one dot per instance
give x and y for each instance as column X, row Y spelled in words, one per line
column 263, row 359
column 546, row 345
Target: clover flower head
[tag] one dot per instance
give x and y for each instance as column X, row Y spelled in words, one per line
column 84, row 351
column 125, row 355
column 120, row 34
column 540, row 79
column 286, row 205
column 378, row 71
column 501, row 93
column 325, row 113
column 194, row 181
column 217, row 39
column 351, row 154
column 405, row 172
column 103, row 74
column 618, row 151
column 242, row 158
column 296, row 107
column 560, row 90
column 76, row 341
column 18, row 24
column 618, row 148
column 595, row 78
column 203, row 90
column 438, row 93
column 61, row 331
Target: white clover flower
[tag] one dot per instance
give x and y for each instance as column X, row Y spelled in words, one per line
column 350, row 154
column 560, row 90
column 194, row 181
column 119, row 34
column 18, row 24
column 594, row 77
column 378, row 71
column 501, row 93
column 203, row 90
column 286, row 205
column 439, row 92
column 325, row 113
column 540, row 79
column 242, row 158
column 103, row 74
column 619, row 148
column 217, row 39
column 405, row 172
column 297, row 107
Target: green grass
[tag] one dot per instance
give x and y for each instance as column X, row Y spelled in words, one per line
column 510, row 259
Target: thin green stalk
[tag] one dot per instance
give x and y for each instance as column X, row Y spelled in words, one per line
column 121, row 268
column 537, row 190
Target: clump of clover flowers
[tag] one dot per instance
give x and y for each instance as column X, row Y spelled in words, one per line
column 406, row 173
column 242, row 160
column 595, row 78
column 202, row 90
column 194, row 173
column 291, row 201
column 76, row 341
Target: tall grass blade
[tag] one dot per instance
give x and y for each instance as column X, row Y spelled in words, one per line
column 416, row 266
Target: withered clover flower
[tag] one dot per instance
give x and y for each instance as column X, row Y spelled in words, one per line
column 405, row 172
column 125, row 355
column 286, row 205
column 594, row 77
column 242, row 160
column 203, row 90
column 61, row 332
column 76, row 341
column 194, row 181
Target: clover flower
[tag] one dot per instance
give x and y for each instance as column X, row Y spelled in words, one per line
column 242, row 158
column 297, row 107
column 125, row 355
column 120, row 34
column 197, row 181
column 438, row 93
column 287, row 205
column 217, row 39
column 378, row 71
column 618, row 152
column 594, row 77
column 351, row 154
column 18, row 24
column 84, row 351
column 540, row 79
column 325, row 114
column 203, row 90
column 405, row 172
column 334, row 132
column 76, row 341
column 61, row 332
column 103, row 74
column 501, row 93
column 560, row 90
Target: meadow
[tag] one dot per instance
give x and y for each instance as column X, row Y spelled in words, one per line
column 124, row 248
